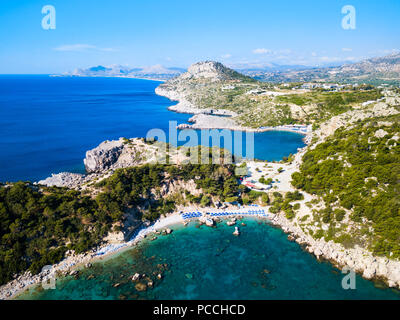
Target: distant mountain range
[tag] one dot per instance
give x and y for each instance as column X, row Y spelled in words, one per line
column 157, row 72
column 374, row 70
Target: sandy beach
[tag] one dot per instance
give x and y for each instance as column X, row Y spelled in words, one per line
column 359, row 259
column 75, row 262
column 72, row 263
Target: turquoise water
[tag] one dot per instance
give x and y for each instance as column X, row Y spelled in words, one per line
column 48, row 123
column 211, row 263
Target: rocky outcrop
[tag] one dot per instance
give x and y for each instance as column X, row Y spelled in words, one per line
column 199, row 74
column 103, row 160
column 349, row 118
column 64, row 179
column 104, row 156
column 125, row 153
column 207, row 221
column 176, row 186
column 200, row 92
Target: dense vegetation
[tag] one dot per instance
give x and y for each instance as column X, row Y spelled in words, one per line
column 358, row 170
column 39, row 224
column 281, row 203
column 139, row 187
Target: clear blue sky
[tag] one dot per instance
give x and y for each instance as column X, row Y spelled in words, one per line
column 180, row 32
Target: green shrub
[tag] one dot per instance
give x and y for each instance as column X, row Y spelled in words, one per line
column 339, row 214
column 296, row 206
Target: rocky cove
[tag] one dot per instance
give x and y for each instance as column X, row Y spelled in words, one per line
column 159, row 267
column 108, row 156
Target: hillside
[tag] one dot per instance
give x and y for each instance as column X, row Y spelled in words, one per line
column 384, row 68
column 355, row 175
column 208, row 89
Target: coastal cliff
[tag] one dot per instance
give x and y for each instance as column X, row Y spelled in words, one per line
column 102, row 161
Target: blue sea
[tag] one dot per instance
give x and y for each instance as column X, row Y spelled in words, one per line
column 211, row 263
column 48, row 123
column 46, row 126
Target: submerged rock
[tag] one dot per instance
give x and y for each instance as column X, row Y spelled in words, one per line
column 141, row 286
column 74, row 273
column 136, row 277
column 207, row 221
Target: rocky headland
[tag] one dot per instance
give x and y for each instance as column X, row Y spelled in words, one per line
column 204, row 118
column 103, row 160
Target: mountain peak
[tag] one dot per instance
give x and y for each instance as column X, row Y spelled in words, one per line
column 211, row 70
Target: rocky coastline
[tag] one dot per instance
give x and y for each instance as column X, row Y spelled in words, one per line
column 209, row 118
column 357, row 259
column 103, row 160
